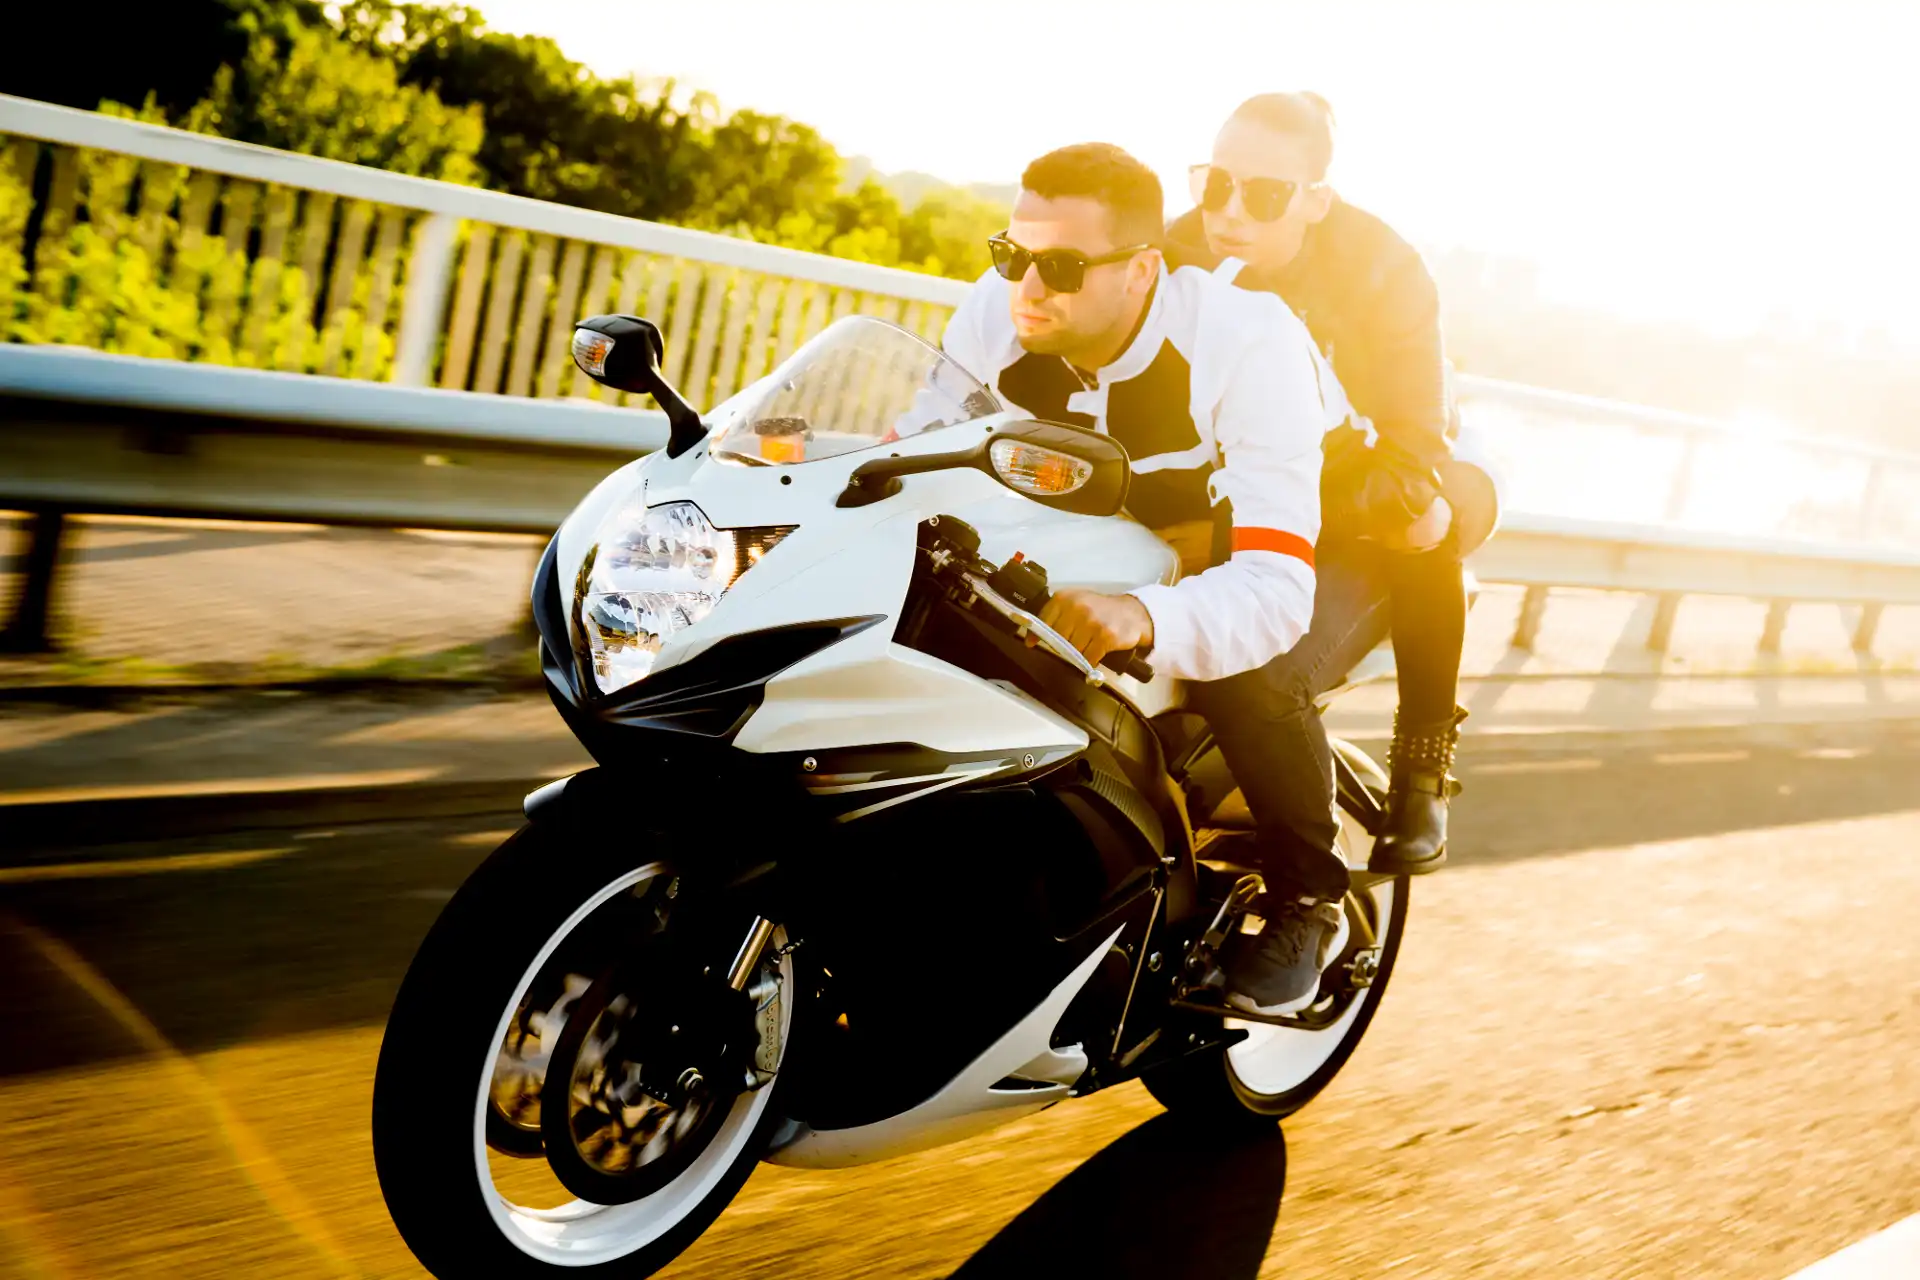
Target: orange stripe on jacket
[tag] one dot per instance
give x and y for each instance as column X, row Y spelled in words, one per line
column 1254, row 538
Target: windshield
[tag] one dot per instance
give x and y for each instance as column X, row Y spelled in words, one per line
column 862, row 382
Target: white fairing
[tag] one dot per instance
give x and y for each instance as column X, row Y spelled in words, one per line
column 857, row 562
column 970, row 1103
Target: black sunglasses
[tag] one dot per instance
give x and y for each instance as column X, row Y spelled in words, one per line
column 1061, row 270
column 1264, row 199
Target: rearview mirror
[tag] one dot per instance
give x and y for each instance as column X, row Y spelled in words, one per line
column 624, row 352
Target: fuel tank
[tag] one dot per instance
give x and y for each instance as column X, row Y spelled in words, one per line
column 1110, row 554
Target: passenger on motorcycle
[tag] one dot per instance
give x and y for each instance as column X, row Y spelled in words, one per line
column 1400, row 510
column 1215, row 394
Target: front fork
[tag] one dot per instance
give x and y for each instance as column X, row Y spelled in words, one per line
column 766, row 997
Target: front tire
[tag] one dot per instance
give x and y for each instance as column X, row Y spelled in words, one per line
column 496, row 940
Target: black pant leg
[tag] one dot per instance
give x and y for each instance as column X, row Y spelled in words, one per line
column 1429, row 601
column 1270, row 732
column 1429, row 625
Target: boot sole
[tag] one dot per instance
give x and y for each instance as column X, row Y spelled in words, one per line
column 1396, row 867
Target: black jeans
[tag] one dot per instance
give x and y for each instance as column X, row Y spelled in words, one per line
column 1266, row 720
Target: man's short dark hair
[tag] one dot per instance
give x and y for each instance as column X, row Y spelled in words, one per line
column 1307, row 116
column 1103, row 172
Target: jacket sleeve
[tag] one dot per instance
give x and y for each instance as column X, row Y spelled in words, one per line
column 1406, row 363
column 1244, row 613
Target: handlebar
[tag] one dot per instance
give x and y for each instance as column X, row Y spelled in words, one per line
column 1130, row 664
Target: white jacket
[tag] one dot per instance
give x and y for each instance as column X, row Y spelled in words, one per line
column 1218, row 401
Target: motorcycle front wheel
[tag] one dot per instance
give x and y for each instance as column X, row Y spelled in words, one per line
column 539, row 914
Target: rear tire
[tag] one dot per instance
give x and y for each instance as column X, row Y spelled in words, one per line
column 1276, row 1071
column 430, row 1097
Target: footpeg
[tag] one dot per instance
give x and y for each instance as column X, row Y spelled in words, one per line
column 1201, row 970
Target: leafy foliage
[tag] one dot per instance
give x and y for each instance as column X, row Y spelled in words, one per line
column 305, row 90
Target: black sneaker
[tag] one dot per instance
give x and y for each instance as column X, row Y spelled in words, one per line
column 1280, row 972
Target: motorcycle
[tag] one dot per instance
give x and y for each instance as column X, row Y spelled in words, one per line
column 871, row 861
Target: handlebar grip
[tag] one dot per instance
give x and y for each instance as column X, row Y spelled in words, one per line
column 1129, row 663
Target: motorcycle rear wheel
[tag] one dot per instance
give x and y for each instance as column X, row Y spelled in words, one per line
column 1275, row 1071
column 431, row 1095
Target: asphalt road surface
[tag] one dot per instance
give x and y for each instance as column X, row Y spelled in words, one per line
column 1662, row 1018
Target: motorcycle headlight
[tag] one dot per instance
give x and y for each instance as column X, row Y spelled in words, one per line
column 652, row 573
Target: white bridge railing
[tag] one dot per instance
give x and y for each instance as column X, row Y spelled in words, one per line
column 292, row 264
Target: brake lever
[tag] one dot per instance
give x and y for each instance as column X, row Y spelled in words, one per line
column 1051, row 640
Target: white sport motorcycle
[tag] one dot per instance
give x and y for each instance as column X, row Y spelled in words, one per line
column 872, row 860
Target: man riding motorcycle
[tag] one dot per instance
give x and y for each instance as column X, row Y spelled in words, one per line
column 1215, row 394
column 1401, row 511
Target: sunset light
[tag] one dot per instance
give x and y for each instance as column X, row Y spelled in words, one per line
column 1722, row 163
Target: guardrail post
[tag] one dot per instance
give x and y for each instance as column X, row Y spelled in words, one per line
column 28, row 631
column 1660, row 635
column 429, row 276
column 1526, row 628
column 1775, row 626
column 1868, row 624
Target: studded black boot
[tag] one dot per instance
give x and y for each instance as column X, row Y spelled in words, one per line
column 1419, row 787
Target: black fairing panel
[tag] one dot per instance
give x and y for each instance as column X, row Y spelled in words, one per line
column 934, row 928
column 1124, row 743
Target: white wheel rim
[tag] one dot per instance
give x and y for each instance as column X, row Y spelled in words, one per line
column 580, row 1234
column 1276, row 1060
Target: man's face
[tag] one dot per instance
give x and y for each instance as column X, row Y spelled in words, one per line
column 1249, row 150
column 1065, row 323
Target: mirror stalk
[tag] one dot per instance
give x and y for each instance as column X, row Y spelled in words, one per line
column 624, row 352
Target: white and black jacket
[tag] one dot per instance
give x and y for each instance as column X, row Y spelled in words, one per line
column 1217, row 400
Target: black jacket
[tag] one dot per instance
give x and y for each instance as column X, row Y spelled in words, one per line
column 1371, row 305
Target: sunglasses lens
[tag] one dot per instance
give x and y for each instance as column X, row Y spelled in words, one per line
column 1061, row 272
column 1266, row 199
column 1009, row 259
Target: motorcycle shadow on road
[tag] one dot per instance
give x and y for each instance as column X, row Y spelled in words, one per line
column 1167, row 1201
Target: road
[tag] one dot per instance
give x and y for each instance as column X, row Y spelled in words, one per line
column 1661, row 1019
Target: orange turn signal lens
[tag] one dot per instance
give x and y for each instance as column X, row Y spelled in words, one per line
column 590, row 350
column 1036, row 471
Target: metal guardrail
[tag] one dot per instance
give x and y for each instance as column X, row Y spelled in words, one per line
column 82, row 432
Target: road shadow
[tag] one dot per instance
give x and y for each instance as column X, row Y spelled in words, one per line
column 1531, row 803
column 310, row 931
column 1166, row 1201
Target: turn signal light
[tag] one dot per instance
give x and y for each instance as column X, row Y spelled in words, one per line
column 590, row 352
column 1038, row 471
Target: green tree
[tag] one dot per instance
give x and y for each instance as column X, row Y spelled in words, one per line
column 760, row 168
column 302, row 88
column 554, row 130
